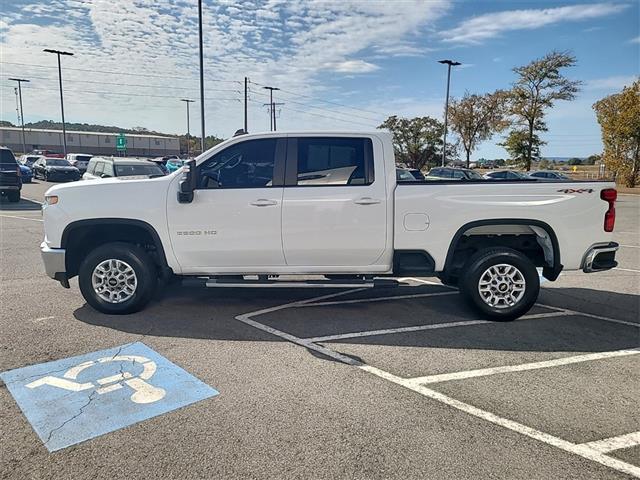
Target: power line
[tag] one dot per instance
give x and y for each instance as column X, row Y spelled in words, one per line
column 111, row 72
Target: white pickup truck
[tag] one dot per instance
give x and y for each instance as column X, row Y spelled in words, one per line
column 322, row 204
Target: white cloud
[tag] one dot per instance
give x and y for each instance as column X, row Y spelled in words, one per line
column 610, row 83
column 635, row 40
column 482, row 27
column 353, row 66
column 289, row 44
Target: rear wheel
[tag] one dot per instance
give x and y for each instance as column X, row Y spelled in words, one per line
column 118, row 278
column 502, row 284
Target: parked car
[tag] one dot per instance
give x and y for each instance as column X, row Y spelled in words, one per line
column 405, row 175
column 29, row 159
column 506, row 175
column 55, row 169
column 174, row 164
column 417, row 174
column 10, row 178
column 549, row 174
column 79, row 160
column 102, row 167
column 26, row 173
column 452, row 173
column 47, row 153
column 244, row 208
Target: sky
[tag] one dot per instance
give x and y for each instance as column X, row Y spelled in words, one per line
column 340, row 65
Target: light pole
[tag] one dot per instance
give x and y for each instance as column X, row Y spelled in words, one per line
column 450, row 64
column 201, row 75
column 273, row 110
column 187, row 101
column 64, row 128
column 20, row 80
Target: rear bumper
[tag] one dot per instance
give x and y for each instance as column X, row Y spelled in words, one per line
column 54, row 263
column 600, row 257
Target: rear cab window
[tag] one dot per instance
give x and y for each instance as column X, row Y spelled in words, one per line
column 7, row 157
column 330, row 161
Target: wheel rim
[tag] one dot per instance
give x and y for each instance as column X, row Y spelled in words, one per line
column 114, row 281
column 502, row 286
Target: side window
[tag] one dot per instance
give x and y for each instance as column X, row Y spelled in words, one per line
column 499, row 175
column 97, row 171
column 334, row 161
column 107, row 169
column 458, row 174
column 246, row 164
column 91, row 167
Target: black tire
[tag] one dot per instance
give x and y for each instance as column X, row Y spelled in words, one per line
column 14, row 196
column 477, row 267
column 145, row 273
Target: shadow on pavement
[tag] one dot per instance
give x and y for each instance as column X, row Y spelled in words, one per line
column 22, row 205
column 210, row 314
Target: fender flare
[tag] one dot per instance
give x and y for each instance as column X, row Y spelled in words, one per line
column 551, row 273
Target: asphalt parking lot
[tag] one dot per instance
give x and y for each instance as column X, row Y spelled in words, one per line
column 389, row 383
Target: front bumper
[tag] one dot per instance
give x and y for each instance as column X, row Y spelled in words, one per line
column 600, row 257
column 54, row 263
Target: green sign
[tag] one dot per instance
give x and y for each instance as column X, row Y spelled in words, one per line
column 121, row 142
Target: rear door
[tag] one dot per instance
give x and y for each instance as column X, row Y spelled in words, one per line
column 334, row 211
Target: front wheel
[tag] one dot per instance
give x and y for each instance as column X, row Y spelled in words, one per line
column 118, row 278
column 501, row 283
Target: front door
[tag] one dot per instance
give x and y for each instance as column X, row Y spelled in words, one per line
column 234, row 222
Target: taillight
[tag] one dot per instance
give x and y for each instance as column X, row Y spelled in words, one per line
column 609, row 195
column 18, row 171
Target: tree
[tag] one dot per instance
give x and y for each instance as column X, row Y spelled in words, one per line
column 619, row 119
column 521, row 147
column 574, row 161
column 417, row 141
column 475, row 118
column 593, row 159
column 539, row 85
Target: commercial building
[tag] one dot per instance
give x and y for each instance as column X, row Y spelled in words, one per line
column 97, row 143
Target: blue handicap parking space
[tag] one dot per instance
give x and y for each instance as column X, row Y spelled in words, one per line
column 74, row 399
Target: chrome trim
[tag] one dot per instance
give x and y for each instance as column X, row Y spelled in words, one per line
column 593, row 252
column 54, row 260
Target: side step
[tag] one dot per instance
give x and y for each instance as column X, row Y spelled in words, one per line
column 235, row 282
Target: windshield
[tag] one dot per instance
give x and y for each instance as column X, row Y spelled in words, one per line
column 57, row 162
column 138, row 170
column 83, row 158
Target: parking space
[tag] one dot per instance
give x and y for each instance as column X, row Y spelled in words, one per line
column 385, row 383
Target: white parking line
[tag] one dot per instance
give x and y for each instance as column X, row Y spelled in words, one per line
column 627, row 270
column 615, row 443
column 418, row 328
column 376, row 299
column 581, row 450
column 484, row 372
column 597, row 317
column 630, row 246
column 22, row 218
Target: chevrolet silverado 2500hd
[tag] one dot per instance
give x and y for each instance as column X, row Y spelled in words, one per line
column 322, row 204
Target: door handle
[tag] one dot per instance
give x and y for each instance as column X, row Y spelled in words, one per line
column 366, row 201
column 263, row 202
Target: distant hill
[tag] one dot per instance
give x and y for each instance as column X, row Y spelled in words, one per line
column 85, row 127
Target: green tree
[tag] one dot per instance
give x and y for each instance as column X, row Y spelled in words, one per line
column 475, row 118
column 539, row 85
column 417, row 141
column 574, row 161
column 619, row 119
column 522, row 148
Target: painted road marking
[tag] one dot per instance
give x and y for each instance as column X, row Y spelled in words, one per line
column 627, row 270
column 75, row 399
column 582, row 450
column 630, row 246
column 484, row 372
column 597, row 317
column 376, row 299
column 615, row 443
column 22, row 218
column 418, row 328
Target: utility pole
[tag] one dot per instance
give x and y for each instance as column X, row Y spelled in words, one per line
column 64, row 128
column 201, row 74
column 246, row 97
column 275, row 104
column 20, row 80
column 450, row 64
column 187, row 101
column 273, row 110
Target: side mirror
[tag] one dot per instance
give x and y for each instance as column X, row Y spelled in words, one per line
column 188, row 182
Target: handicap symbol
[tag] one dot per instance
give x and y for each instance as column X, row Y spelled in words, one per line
column 143, row 391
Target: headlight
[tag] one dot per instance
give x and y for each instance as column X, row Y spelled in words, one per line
column 50, row 200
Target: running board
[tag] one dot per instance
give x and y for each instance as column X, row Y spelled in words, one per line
column 237, row 283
